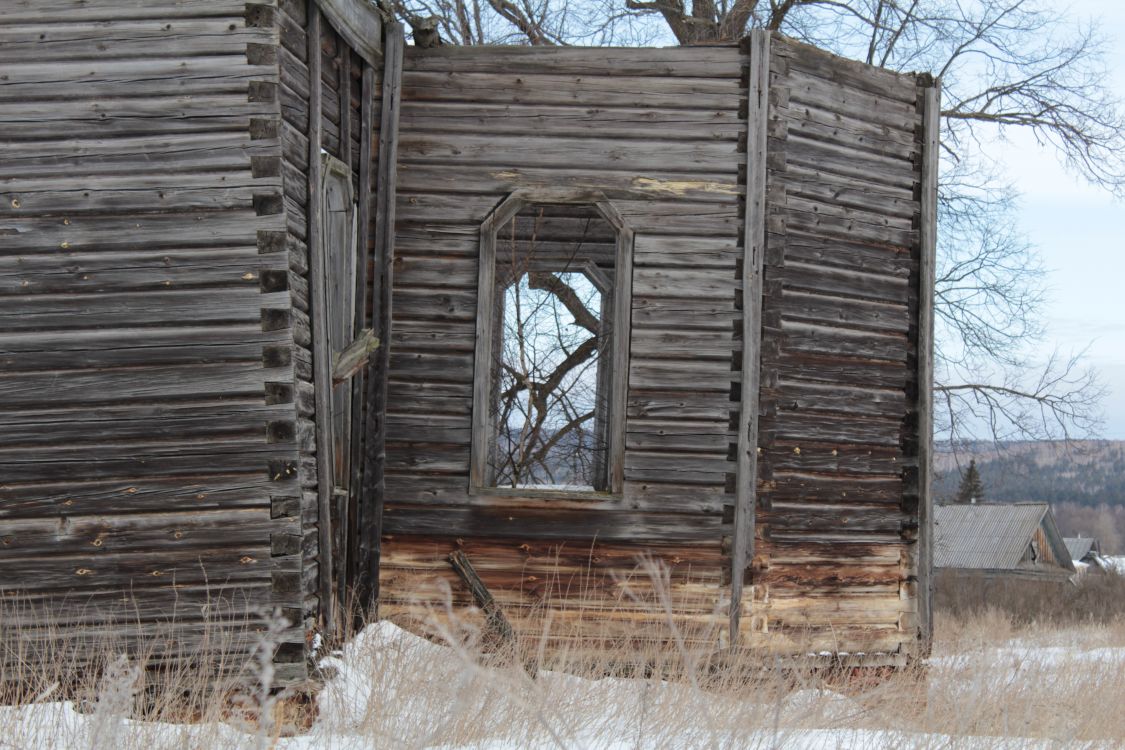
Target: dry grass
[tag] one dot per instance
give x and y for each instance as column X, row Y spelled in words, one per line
column 993, row 676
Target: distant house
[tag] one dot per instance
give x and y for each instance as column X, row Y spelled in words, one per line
column 995, row 540
column 1086, row 553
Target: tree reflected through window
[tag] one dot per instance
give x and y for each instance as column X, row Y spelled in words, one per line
column 551, row 342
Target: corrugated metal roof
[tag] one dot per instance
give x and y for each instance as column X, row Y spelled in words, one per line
column 1078, row 547
column 985, row 535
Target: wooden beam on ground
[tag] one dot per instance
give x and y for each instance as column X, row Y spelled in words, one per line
column 497, row 622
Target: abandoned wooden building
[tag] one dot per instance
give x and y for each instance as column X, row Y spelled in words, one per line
column 291, row 311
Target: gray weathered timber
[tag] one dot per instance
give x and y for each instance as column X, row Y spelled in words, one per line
column 176, row 282
column 382, row 307
column 360, row 24
column 925, row 344
column 754, row 240
column 321, row 357
column 151, row 373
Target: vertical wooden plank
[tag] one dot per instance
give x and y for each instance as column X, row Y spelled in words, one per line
column 322, row 365
column 619, row 374
column 351, row 436
column 481, row 449
column 754, row 248
column 926, row 276
column 360, row 382
column 371, row 511
column 344, row 68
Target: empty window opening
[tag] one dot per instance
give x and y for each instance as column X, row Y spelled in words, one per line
column 552, row 331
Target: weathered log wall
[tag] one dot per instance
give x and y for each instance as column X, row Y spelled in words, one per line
column 148, row 437
column 157, row 396
column 835, row 559
column 658, row 132
column 831, row 546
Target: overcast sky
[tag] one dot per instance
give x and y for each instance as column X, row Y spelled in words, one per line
column 1080, row 234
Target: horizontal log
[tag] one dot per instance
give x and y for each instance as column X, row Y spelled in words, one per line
column 88, row 79
column 161, row 601
column 428, row 336
column 411, row 396
column 620, row 91
column 801, row 396
column 658, row 343
column 681, row 374
column 678, row 468
column 800, row 247
column 848, row 283
column 669, row 62
column 895, row 114
column 405, row 455
column 65, row 427
column 683, row 252
column 532, row 524
column 792, row 518
column 79, row 157
column 151, row 39
column 153, row 232
column 801, row 338
column 834, row 458
column 247, row 455
column 137, row 384
column 842, row 223
column 685, row 282
column 812, row 160
column 435, row 271
column 596, row 150
column 121, row 347
column 136, row 271
column 615, row 183
column 809, row 60
column 847, row 313
column 671, row 437
column 121, row 116
column 560, row 121
column 820, row 427
column 246, row 563
column 104, row 536
column 212, row 491
column 127, row 309
column 685, row 404
column 812, row 124
column 805, row 486
column 35, row 11
column 444, row 305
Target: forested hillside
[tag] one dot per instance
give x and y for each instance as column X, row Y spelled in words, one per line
column 1088, row 472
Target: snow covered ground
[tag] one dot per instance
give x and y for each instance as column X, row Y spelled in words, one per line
column 391, row 689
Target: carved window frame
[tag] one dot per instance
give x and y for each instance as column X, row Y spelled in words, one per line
column 482, row 427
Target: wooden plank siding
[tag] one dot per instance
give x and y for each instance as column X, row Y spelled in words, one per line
column 148, row 331
column 775, row 330
column 664, row 145
column 157, row 410
column 837, row 513
column 340, row 121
